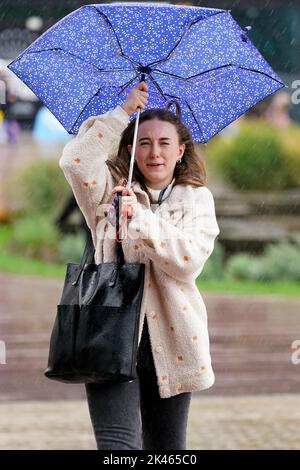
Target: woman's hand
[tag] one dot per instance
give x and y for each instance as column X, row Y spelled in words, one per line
column 137, row 98
column 128, row 201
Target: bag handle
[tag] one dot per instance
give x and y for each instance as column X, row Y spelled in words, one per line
column 89, row 250
column 87, row 256
column 120, row 254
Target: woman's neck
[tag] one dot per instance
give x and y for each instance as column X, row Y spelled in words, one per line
column 158, row 186
column 154, row 189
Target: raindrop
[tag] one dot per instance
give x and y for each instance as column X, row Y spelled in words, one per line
column 34, row 23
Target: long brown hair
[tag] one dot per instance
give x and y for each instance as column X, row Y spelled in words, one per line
column 191, row 170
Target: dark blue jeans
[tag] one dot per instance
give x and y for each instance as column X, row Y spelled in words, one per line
column 131, row 415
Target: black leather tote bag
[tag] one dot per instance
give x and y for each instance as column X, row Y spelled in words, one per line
column 95, row 333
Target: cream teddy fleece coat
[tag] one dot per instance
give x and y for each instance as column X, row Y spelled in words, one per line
column 174, row 242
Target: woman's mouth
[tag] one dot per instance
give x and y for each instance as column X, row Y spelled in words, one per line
column 155, row 165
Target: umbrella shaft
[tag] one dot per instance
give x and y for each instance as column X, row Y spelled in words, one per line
column 133, row 148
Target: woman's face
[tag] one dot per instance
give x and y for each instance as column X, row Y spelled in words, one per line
column 157, row 151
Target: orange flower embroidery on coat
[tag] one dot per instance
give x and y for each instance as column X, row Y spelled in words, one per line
column 201, row 369
column 154, row 316
column 163, row 245
column 77, row 160
column 179, row 358
column 163, row 378
column 172, row 329
column 194, row 338
column 186, row 258
column 179, row 388
column 136, row 247
column 100, row 135
column 85, row 184
column 94, row 182
column 173, row 217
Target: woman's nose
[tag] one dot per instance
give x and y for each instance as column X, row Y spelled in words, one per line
column 155, row 150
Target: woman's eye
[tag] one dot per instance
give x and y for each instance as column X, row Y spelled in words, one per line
column 147, row 143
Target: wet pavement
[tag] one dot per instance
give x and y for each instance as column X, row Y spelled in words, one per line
column 251, row 340
column 226, row 423
column 254, row 404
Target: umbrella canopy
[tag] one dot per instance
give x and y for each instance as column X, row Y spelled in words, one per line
column 88, row 62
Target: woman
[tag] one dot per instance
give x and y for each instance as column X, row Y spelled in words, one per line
column 171, row 227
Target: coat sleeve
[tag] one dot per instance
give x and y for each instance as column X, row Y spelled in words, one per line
column 181, row 248
column 83, row 160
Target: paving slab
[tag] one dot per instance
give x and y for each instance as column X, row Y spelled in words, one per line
column 215, row 423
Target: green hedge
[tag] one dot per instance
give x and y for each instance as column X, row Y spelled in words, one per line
column 38, row 192
column 35, row 236
column 279, row 262
column 38, row 187
column 257, row 156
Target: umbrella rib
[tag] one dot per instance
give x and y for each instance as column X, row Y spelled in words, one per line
column 171, row 75
column 161, row 92
column 183, row 34
column 158, row 87
column 197, row 75
column 213, row 69
column 262, row 73
column 106, row 20
column 83, row 60
column 95, row 94
column 249, row 107
column 197, row 123
column 128, row 83
column 120, row 51
column 83, row 109
column 89, row 101
column 107, row 23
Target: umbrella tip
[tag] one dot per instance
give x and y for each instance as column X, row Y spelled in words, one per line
column 244, row 35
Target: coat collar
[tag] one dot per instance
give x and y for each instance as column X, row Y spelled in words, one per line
column 143, row 195
column 137, row 189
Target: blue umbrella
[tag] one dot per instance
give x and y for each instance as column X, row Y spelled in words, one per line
column 88, row 62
